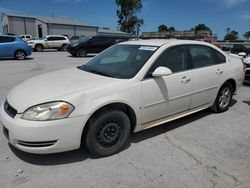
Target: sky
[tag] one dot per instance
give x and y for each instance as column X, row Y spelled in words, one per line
column 181, row 14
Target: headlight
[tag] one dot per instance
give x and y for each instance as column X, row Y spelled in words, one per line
column 48, row 111
column 30, row 42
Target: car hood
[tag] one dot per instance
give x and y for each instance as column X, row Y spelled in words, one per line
column 55, row 86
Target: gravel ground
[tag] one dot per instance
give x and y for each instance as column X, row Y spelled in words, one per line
column 201, row 150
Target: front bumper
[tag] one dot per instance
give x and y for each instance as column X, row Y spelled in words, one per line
column 43, row 137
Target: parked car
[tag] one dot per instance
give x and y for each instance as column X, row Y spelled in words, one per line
column 13, row 46
column 49, row 42
column 237, row 48
column 129, row 87
column 76, row 38
column 247, row 69
column 26, row 37
column 94, row 44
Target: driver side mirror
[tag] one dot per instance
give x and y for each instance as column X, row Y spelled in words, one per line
column 161, row 71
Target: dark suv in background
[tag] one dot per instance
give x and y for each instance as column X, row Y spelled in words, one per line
column 94, row 44
column 237, row 48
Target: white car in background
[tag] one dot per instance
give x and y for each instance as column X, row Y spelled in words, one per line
column 26, row 37
column 127, row 88
column 49, row 42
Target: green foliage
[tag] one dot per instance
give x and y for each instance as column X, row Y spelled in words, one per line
column 233, row 35
column 247, row 35
column 127, row 19
column 171, row 29
column 202, row 27
column 162, row 28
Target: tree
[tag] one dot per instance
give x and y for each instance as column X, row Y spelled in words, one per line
column 202, row 27
column 162, row 28
column 127, row 19
column 171, row 29
column 247, row 35
column 233, row 35
column 228, row 29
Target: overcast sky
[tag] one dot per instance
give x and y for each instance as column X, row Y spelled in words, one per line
column 182, row 14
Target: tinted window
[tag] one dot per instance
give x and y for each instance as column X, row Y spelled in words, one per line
column 176, row 59
column 220, row 58
column 6, row 39
column 55, row 38
column 202, row 56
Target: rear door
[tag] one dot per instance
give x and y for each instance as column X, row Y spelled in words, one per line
column 208, row 70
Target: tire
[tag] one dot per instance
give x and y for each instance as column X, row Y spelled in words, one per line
column 81, row 52
column 39, row 48
column 107, row 133
column 63, row 47
column 223, row 99
column 20, row 55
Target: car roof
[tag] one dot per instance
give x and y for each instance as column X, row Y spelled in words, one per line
column 161, row 42
column 56, row 36
column 14, row 36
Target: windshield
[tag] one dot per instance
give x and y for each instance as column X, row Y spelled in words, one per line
column 84, row 39
column 120, row 61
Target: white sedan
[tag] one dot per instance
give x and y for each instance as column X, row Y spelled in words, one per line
column 127, row 88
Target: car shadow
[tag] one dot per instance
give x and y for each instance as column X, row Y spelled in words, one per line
column 52, row 159
column 13, row 59
column 246, row 102
column 81, row 154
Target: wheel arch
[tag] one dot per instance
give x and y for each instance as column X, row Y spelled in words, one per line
column 39, row 44
column 232, row 82
column 20, row 49
column 128, row 110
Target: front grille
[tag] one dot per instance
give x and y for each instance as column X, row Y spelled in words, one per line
column 9, row 109
column 36, row 144
column 6, row 132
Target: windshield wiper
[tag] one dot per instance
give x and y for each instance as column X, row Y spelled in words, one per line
column 84, row 68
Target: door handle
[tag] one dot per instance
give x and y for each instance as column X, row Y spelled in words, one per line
column 219, row 71
column 185, row 79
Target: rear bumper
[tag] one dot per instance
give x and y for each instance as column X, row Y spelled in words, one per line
column 43, row 137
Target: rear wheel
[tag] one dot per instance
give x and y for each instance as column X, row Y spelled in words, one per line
column 224, row 98
column 20, row 55
column 107, row 133
column 63, row 48
column 39, row 48
column 81, row 53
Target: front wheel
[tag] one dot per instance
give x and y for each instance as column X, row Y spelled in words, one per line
column 107, row 133
column 224, row 98
column 81, row 52
column 20, row 55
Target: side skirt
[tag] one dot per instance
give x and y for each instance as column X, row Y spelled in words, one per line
column 173, row 117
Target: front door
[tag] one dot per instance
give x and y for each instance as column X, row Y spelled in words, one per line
column 167, row 95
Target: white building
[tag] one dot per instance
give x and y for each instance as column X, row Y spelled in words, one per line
column 38, row 26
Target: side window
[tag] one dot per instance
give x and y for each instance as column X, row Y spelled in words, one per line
column 202, row 56
column 220, row 58
column 176, row 59
column 7, row 39
column 50, row 38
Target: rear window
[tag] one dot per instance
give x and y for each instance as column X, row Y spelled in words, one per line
column 4, row 39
